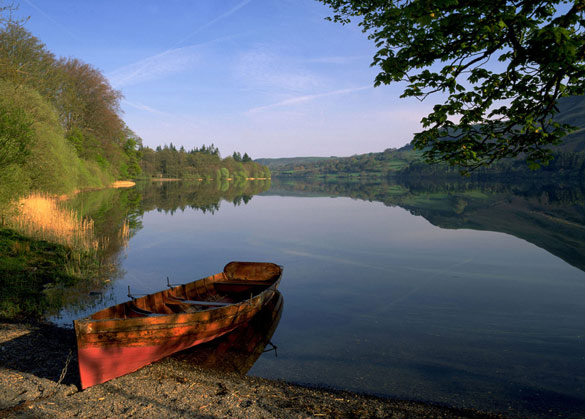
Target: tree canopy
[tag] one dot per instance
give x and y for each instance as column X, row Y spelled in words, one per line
column 199, row 163
column 501, row 64
column 60, row 120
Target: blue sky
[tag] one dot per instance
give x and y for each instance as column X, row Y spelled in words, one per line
column 268, row 77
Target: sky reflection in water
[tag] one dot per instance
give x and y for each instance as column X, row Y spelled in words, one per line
column 381, row 301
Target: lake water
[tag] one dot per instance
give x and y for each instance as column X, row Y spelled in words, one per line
column 464, row 295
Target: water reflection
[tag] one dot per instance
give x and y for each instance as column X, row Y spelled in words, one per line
column 115, row 213
column 118, row 216
column 380, row 299
column 551, row 216
column 237, row 351
column 207, row 196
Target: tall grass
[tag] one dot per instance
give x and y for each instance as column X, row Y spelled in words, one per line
column 44, row 217
column 40, row 216
column 54, row 256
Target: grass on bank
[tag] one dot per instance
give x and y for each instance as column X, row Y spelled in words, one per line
column 27, row 266
column 45, row 245
column 40, row 216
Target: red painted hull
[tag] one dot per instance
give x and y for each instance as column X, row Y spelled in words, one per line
column 123, row 338
column 99, row 364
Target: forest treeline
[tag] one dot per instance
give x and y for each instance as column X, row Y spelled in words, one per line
column 61, row 127
column 363, row 165
column 407, row 162
column 199, row 163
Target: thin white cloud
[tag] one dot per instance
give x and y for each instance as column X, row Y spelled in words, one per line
column 214, row 21
column 333, row 60
column 171, row 61
column 143, row 107
column 264, row 69
column 167, row 118
column 307, row 98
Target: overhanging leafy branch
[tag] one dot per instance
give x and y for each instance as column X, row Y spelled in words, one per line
column 502, row 64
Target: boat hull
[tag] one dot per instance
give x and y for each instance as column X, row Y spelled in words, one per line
column 109, row 348
column 237, row 351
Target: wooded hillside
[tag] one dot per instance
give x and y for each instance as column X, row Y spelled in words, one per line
column 568, row 158
column 61, row 127
column 60, row 120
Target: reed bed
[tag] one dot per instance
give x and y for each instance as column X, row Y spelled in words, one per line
column 66, row 257
column 40, row 216
column 124, row 233
column 44, row 217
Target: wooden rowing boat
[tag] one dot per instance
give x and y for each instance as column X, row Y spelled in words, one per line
column 125, row 337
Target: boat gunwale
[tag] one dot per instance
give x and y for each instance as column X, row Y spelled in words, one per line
column 173, row 320
column 165, row 318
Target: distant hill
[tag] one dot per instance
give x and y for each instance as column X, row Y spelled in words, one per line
column 280, row 162
column 407, row 161
column 572, row 112
column 362, row 165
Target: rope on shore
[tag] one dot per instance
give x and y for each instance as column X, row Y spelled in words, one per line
column 64, row 370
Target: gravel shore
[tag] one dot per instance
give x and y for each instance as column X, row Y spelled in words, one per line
column 39, row 379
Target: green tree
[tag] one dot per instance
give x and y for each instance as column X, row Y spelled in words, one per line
column 88, row 107
column 503, row 64
column 16, row 134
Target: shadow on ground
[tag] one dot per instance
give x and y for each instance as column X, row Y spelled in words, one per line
column 43, row 350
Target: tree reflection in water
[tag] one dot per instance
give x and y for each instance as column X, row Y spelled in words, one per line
column 117, row 216
column 549, row 215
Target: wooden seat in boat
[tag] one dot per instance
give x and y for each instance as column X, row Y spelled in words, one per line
column 142, row 312
column 243, row 282
column 175, row 300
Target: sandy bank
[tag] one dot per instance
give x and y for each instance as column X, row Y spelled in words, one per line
column 123, row 184
column 39, row 378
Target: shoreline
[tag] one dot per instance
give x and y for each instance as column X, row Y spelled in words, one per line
column 156, row 179
column 39, row 378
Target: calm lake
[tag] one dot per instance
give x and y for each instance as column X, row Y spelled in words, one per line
column 471, row 295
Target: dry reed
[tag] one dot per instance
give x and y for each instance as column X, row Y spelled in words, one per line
column 40, row 216
column 124, row 233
